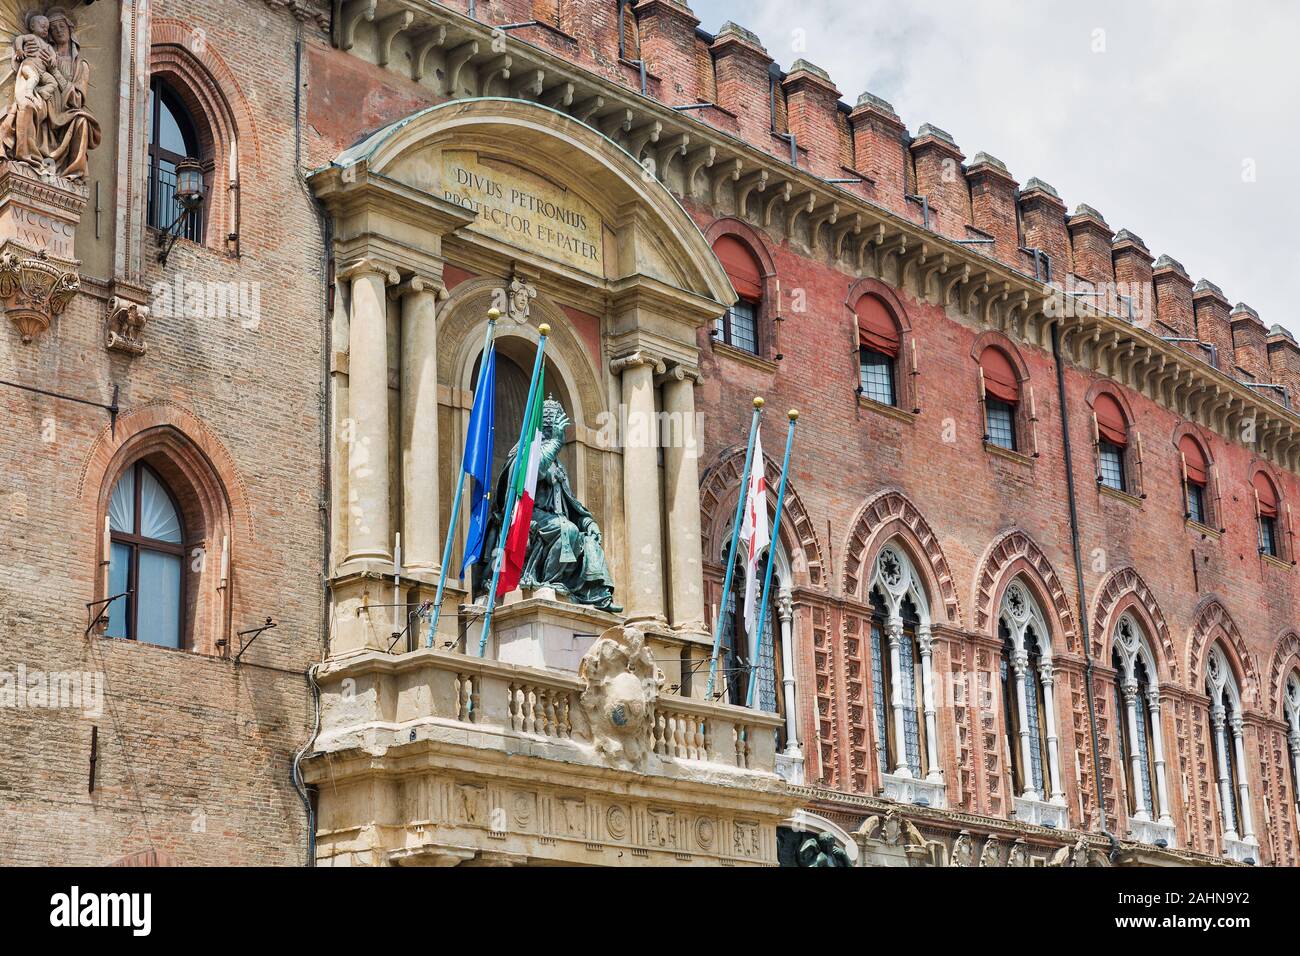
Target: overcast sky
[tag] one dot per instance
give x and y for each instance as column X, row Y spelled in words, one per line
column 1177, row 119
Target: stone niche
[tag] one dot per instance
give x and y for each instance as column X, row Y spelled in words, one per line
column 38, row 263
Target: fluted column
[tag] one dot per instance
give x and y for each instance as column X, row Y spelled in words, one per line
column 682, row 478
column 368, row 507
column 925, row 644
column 1158, row 753
column 1243, row 785
column 641, row 496
column 1129, row 690
column 785, row 612
column 895, row 631
column 1019, row 664
column 1047, row 675
column 419, row 428
column 1225, row 785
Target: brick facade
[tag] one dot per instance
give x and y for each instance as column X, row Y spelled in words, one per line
column 191, row 736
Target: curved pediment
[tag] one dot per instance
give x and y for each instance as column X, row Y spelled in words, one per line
column 544, row 185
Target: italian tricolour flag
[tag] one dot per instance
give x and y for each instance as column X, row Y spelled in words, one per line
column 521, row 520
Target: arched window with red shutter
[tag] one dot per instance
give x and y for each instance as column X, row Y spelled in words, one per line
column 1267, row 506
column 878, row 345
column 738, row 326
column 1000, row 393
column 1110, row 434
column 1196, row 479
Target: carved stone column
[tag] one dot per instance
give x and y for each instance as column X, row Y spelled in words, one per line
column 1020, row 664
column 641, row 495
column 925, row 643
column 1158, row 754
column 1047, row 675
column 682, row 479
column 785, row 612
column 1228, row 818
column 1243, row 785
column 419, row 428
column 894, row 629
column 1128, row 689
column 369, row 535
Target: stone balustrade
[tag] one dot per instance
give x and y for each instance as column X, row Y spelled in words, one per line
column 377, row 700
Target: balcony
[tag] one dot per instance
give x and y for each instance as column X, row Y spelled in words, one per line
column 437, row 758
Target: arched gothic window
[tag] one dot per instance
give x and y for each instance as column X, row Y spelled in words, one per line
column 878, row 344
column 902, row 680
column 1028, row 696
column 1140, row 734
column 173, row 137
column 1000, row 398
column 1233, row 790
column 774, row 671
column 1291, row 710
column 146, row 555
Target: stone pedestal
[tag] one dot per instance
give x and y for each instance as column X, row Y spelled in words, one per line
column 539, row 630
column 38, row 264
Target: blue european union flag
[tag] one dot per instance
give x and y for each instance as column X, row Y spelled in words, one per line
column 478, row 460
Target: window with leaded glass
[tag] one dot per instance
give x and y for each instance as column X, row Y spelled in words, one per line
column 911, row 688
column 1111, row 458
column 1196, row 502
column 877, row 376
column 738, row 326
column 1000, row 420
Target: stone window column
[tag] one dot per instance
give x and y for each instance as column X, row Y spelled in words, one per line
column 1129, row 690
column 1225, row 785
column 641, row 495
column 1294, row 740
column 785, row 612
column 419, row 426
column 925, row 644
column 1243, row 785
column 682, row 476
column 368, row 507
column 894, row 629
column 1020, row 664
column 1158, row 755
column 1047, row 675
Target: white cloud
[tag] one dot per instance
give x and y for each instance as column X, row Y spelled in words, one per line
column 1154, row 130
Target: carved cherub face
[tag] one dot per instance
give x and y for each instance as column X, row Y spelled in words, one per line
column 39, row 26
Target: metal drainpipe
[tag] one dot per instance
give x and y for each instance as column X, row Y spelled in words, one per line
column 1082, row 591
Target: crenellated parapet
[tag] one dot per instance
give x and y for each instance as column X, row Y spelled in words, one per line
column 723, row 126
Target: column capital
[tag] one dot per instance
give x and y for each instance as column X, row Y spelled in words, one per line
column 368, row 265
column 1046, row 672
column 679, row 373
column 419, row 285
column 621, row 363
column 894, row 631
column 1153, row 698
column 1293, row 739
column 1217, row 715
column 1128, row 687
column 1236, row 723
column 1019, row 662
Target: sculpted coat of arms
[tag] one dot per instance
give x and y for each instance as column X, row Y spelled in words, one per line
column 622, row 686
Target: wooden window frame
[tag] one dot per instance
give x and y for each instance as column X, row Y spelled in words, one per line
column 136, row 542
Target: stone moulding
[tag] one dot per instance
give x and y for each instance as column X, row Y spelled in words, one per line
column 34, row 290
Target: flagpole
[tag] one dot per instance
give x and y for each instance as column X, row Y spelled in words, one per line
column 731, row 551
column 498, row 555
column 757, row 649
column 493, row 315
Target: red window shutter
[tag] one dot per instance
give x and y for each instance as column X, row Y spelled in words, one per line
column 1197, row 467
column 741, row 267
column 1000, row 379
column 1110, row 420
column 877, row 329
column 1267, row 495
